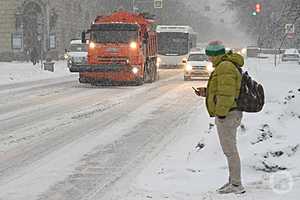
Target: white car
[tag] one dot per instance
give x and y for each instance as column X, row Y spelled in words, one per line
column 197, row 65
column 291, row 55
column 77, row 53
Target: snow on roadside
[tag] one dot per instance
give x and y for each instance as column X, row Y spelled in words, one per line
column 15, row 72
column 269, row 144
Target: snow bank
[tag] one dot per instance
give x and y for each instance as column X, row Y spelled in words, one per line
column 15, row 72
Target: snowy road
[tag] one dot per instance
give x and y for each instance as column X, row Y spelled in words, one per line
column 64, row 140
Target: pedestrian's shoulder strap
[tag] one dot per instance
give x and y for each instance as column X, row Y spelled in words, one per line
column 238, row 68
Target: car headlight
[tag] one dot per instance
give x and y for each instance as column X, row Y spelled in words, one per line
column 66, row 56
column 244, row 51
column 92, row 45
column 188, row 67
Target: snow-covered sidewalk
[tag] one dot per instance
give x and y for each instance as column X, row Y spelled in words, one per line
column 16, row 72
column 269, row 144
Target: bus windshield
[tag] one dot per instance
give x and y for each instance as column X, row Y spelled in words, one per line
column 173, row 43
column 114, row 33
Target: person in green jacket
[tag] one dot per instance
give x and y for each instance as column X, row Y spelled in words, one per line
column 221, row 93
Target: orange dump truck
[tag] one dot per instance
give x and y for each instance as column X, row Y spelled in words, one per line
column 122, row 49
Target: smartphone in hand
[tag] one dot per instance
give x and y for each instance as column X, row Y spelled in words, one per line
column 201, row 91
column 195, row 89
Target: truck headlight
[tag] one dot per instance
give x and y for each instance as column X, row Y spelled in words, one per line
column 188, row 67
column 133, row 45
column 135, row 70
column 92, row 45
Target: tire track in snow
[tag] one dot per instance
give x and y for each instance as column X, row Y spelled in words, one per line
column 66, row 129
column 101, row 130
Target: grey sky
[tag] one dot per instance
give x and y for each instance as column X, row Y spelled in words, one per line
column 225, row 26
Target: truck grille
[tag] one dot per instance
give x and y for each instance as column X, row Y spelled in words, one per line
column 113, row 60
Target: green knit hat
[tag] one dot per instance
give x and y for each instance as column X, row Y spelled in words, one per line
column 215, row 48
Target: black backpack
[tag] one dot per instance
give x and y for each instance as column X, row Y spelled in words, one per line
column 252, row 96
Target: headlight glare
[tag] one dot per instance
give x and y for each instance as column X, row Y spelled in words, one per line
column 92, row 45
column 66, row 56
column 133, row 45
column 135, row 70
column 188, row 67
column 244, row 51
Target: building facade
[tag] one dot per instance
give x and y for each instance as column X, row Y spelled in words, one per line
column 48, row 26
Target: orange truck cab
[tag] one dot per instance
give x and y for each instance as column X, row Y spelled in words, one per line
column 122, row 49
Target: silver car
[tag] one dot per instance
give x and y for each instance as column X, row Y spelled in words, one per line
column 197, row 66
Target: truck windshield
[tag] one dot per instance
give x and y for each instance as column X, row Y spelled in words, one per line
column 113, row 36
column 173, row 43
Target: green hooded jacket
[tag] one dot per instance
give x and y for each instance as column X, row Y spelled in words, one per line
column 224, row 84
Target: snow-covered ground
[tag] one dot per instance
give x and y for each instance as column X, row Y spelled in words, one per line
column 269, row 144
column 71, row 141
column 15, row 72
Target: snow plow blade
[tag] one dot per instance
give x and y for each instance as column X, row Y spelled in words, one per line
column 99, row 68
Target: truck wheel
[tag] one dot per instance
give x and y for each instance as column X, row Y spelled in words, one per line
column 145, row 76
column 152, row 72
column 139, row 82
column 156, row 75
column 147, row 73
column 152, row 76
